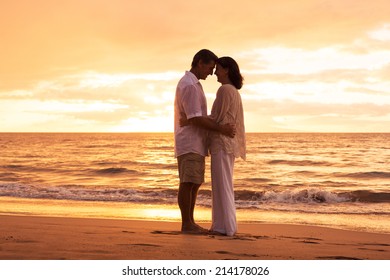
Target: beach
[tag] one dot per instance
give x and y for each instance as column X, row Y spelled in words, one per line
column 110, row 196
column 319, row 179
column 64, row 238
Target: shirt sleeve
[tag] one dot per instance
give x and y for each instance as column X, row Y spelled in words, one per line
column 191, row 102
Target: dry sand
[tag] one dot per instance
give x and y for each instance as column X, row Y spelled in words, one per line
column 55, row 238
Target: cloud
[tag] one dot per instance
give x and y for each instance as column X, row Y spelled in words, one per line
column 294, row 108
column 94, row 64
column 289, row 115
column 381, row 34
column 89, row 98
column 299, row 61
column 45, row 38
column 384, row 73
column 369, row 91
column 99, row 86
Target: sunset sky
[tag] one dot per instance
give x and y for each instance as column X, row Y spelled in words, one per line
column 113, row 65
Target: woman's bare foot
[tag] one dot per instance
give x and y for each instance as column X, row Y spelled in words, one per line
column 213, row 232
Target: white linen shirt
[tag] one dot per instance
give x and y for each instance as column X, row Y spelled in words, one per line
column 190, row 101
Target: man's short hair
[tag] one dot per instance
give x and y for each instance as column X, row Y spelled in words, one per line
column 205, row 55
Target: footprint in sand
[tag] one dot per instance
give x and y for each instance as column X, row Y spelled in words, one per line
column 166, row 232
column 126, row 231
column 337, row 258
column 241, row 237
column 145, row 244
column 140, row 244
column 235, row 254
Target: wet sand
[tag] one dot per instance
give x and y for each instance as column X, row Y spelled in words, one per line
column 58, row 238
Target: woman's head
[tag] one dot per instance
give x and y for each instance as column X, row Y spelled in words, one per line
column 233, row 71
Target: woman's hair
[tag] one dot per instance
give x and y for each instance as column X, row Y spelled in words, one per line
column 233, row 70
column 205, row 55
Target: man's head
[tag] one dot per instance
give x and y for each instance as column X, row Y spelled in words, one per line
column 203, row 64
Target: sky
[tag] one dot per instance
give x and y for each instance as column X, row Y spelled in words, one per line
column 113, row 65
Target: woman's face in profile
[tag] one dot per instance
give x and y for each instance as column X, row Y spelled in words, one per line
column 221, row 73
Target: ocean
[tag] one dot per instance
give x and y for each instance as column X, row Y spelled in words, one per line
column 339, row 180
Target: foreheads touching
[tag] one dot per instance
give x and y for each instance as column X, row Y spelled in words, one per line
column 203, row 63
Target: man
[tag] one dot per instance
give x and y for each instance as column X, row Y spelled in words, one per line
column 191, row 140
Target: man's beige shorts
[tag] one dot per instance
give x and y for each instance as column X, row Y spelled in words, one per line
column 191, row 168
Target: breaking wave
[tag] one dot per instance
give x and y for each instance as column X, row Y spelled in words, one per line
column 244, row 198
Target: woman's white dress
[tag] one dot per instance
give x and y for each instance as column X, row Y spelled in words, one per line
column 227, row 108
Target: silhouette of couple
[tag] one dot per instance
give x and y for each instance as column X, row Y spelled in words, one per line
column 222, row 134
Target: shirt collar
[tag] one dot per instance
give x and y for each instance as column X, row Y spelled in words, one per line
column 192, row 76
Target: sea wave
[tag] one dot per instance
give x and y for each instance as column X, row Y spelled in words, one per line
column 26, row 168
column 299, row 195
column 365, row 175
column 80, row 193
column 244, row 198
column 369, row 196
column 115, row 170
column 299, row 162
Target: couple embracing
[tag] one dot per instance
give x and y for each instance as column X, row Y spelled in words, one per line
column 222, row 133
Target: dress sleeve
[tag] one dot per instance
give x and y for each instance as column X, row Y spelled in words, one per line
column 221, row 104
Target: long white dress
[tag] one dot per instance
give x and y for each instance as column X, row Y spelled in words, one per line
column 227, row 108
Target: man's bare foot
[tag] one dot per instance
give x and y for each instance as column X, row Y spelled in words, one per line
column 199, row 227
column 193, row 228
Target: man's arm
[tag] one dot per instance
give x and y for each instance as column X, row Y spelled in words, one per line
column 208, row 123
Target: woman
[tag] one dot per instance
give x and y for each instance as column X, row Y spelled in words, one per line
column 227, row 108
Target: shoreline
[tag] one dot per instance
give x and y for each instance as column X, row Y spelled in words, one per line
column 170, row 213
column 66, row 238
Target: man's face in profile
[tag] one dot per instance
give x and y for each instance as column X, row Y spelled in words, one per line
column 206, row 69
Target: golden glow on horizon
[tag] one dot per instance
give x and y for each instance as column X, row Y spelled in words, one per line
column 308, row 66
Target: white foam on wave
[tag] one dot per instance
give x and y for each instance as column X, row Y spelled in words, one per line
column 311, row 195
